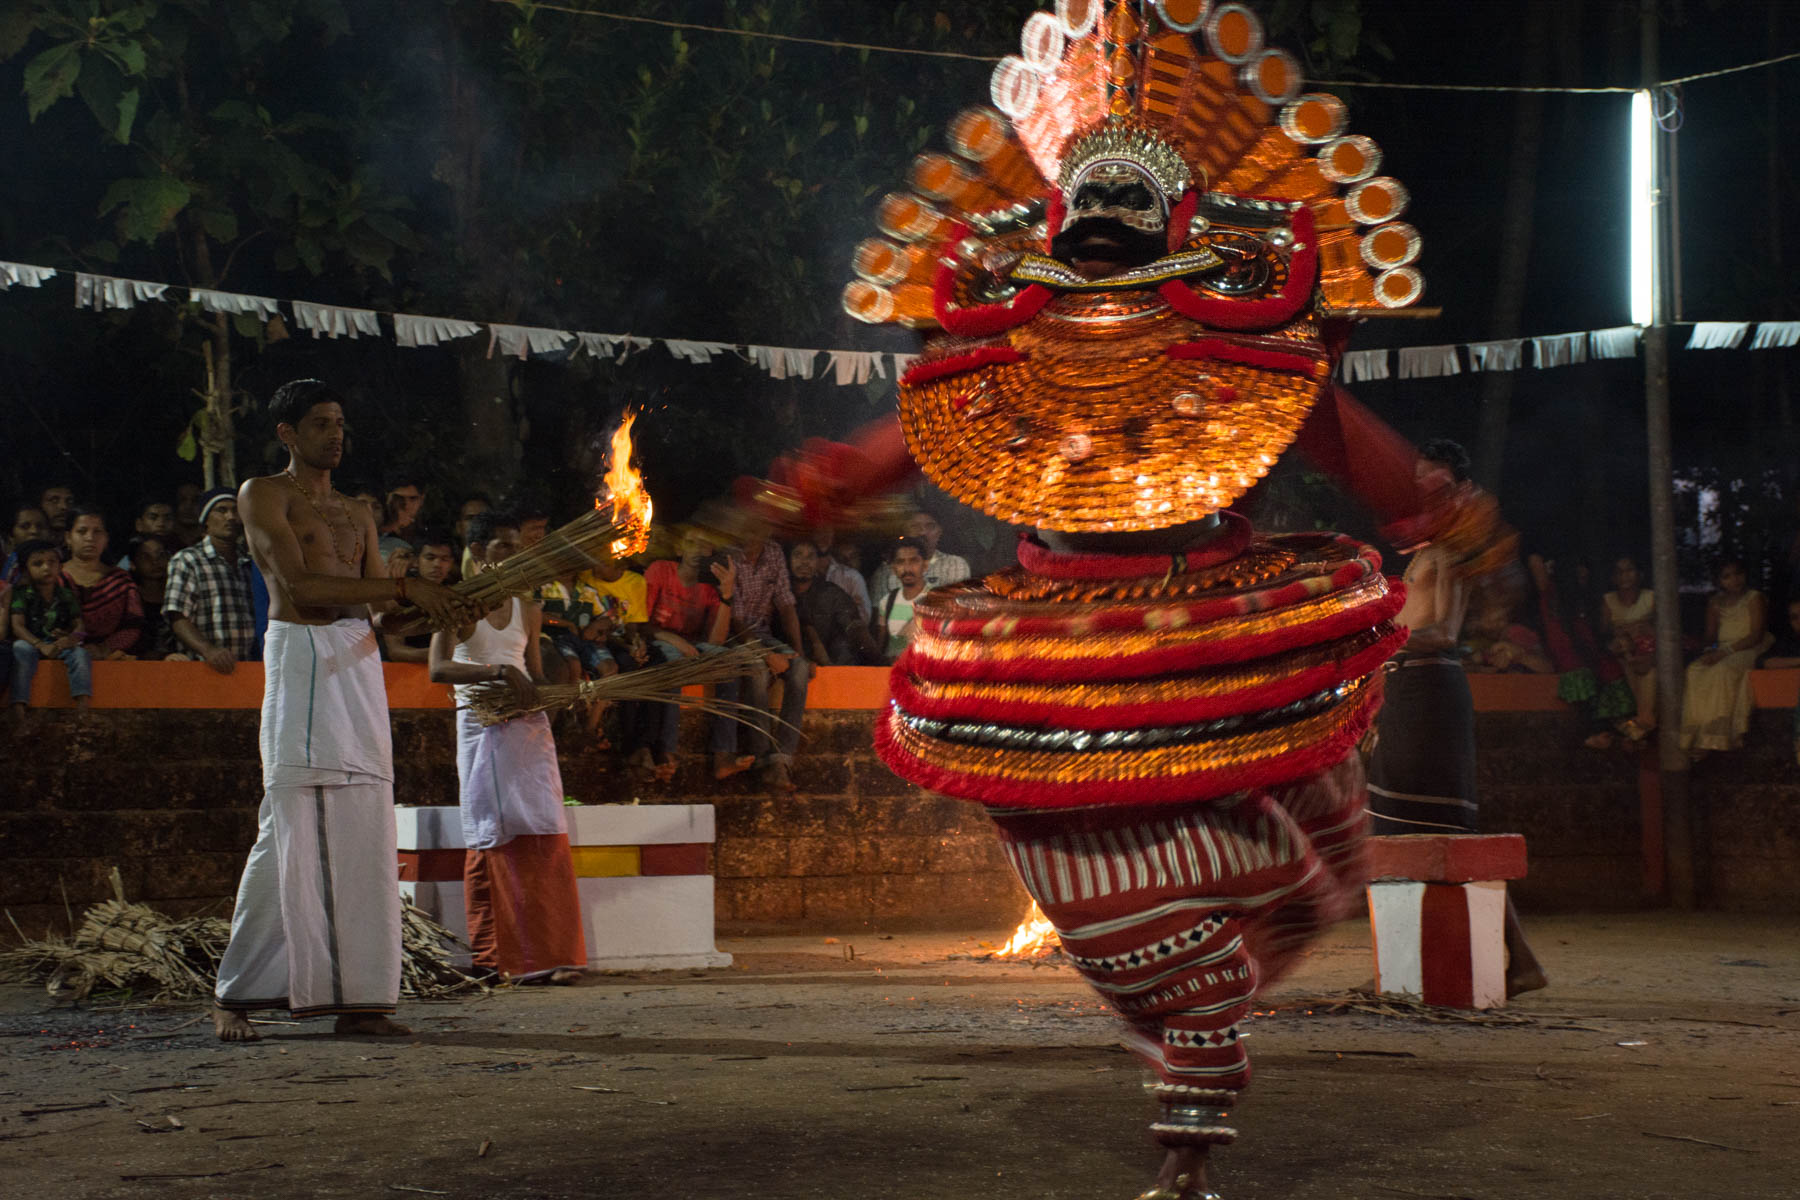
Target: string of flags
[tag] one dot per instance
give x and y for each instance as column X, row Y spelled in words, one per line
column 102, row 292
column 857, row 367
column 1554, row 350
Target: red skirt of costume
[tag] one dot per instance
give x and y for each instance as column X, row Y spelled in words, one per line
column 522, row 905
column 1167, row 744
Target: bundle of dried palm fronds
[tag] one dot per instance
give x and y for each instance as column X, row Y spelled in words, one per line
column 426, row 972
column 124, row 945
column 493, row 703
column 136, row 948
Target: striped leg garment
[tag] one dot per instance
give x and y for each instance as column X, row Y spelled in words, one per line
column 1178, row 914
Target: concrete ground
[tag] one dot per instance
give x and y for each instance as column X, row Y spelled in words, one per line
column 1664, row 1062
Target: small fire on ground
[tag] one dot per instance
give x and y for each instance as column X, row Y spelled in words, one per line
column 1034, row 938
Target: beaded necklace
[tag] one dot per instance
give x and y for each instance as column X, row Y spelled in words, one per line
column 355, row 556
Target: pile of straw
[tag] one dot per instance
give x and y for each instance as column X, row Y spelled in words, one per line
column 133, row 947
column 126, row 946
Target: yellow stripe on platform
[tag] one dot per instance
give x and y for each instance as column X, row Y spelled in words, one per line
column 606, row 862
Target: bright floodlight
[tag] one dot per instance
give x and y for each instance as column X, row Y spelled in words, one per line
column 1641, row 197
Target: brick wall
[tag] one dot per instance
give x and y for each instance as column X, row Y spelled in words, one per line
column 169, row 797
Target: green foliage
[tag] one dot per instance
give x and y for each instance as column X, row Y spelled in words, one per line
column 182, row 85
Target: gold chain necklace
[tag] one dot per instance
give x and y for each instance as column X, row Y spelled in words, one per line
column 355, row 556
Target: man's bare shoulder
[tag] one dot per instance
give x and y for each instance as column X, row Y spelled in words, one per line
column 258, row 485
column 265, row 496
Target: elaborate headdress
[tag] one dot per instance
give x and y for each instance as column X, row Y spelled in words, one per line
column 1159, row 394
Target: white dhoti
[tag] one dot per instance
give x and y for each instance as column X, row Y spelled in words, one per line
column 511, row 783
column 317, row 924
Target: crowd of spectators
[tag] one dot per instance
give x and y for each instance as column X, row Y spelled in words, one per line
column 1602, row 646
column 181, row 586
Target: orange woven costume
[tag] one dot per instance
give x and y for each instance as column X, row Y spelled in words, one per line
column 1132, row 280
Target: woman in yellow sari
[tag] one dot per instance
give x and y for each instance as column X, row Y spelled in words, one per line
column 1715, row 710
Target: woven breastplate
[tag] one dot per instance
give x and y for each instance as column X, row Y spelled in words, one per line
column 1071, row 685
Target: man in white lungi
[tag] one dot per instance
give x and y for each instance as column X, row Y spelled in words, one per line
column 519, row 890
column 317, row 924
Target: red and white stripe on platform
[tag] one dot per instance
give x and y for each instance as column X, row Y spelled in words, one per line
column 641, row 870
column 1437, row 904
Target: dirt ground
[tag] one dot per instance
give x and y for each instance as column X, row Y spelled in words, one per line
column 1664, row 1062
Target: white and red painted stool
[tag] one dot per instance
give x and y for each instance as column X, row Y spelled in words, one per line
column 1438, row 907
column 646, row 892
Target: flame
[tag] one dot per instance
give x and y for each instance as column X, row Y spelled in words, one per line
column 625, row 487
column 1034, row 936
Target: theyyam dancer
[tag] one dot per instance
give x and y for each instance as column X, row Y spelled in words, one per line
column 1134, row 284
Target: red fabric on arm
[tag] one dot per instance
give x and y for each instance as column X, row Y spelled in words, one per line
column 1364, row 454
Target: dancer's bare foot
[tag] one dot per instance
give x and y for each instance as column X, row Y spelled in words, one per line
column 1527, row 977
column 1523, row 971
column 233, row 1026
column 1183, row 1176
column 565, row 976
column 371, row 1025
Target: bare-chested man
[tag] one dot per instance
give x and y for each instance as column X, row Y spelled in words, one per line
column 1422, row 774
column 317, row 924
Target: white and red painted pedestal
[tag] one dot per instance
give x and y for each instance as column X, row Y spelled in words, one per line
column 641, row 870
column 1438, row 908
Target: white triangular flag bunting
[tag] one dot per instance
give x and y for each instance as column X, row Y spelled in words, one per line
column 24, row 275
column 1363, row 364
column 1419, row 362
column 855, row 366
column 903, row 361
column 1776, row 335
column 101, row 292
column 784, row 362
column 415, row 331
column 699, row 353
column 1717, row 335
column 327, row 320
column 1559, row 349
column 522, row 341
column 1621, row 341
column 1508, row 355
column 609, row 345
column 232, row 302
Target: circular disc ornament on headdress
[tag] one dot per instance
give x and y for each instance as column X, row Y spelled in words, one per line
column 1272, row 76
column 1349, row 159
column 879, row 261
column 1398, row 288
column 909, row 219
column 1376, row 201
column 1014, row 87
column 1233, row 33
column 1313, row 118
column 866, row 302
column 1077, row 16
column 1388, row 246
column 1184, row 16
column 1041, row 42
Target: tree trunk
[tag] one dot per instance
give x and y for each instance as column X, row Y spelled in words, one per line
column 218, row 431
column 1515, row 246
column 493, row 450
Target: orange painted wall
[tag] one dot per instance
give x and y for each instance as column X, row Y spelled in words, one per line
column 195, row 685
